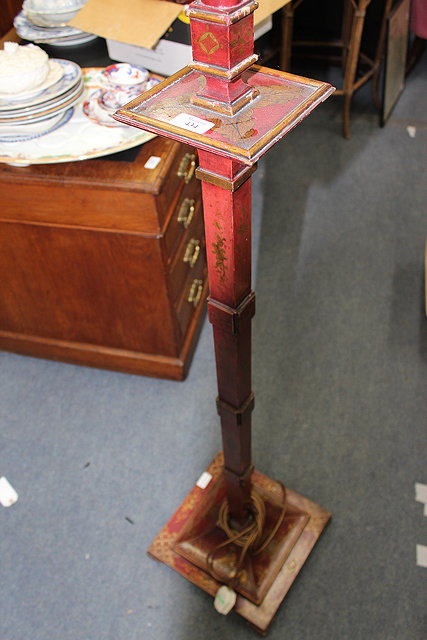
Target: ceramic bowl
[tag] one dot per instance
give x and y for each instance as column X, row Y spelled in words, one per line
column 22, row 68
column 44, row 13
column 53, row 5
column 124, row 75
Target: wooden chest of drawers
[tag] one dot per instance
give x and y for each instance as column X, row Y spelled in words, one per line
column 102, row 262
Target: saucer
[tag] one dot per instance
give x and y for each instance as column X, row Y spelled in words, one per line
column 97, row 113
column 112, row 100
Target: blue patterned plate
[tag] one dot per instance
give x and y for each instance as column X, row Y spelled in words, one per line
column 49, row 126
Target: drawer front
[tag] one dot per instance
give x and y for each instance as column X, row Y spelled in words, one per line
column 181, row 174
column 193, row 295
column 190, row 253
column 183, row 215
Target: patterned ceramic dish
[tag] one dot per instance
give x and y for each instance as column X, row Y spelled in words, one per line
column 64, row 36
column 47, row 112
column 105, row 98
column 111, row 99
column 36, row 130
column 96, row 111
column 71, row 41
column 59, row 101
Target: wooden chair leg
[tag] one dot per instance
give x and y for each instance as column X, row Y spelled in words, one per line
column 347, row 22
column 287, row 32
column 352, row 61
column 346, row 115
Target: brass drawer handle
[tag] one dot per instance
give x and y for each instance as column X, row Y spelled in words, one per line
column 186, row 212
column 192, row 252
column 187, row 167
column 196, row 290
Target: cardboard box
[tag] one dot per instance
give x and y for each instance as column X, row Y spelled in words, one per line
column 173, row 50
column 144, row 22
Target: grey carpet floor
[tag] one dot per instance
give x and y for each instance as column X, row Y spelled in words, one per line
column 101, row 460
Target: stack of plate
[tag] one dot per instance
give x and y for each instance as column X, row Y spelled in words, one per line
column 56, row 36
column 39, row 111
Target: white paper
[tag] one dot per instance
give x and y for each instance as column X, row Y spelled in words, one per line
column 421, row 495
column 192, row 123
column 421, row 555
column 8, row 495
column 204, row 480
column 152, row 162
column 420, row 492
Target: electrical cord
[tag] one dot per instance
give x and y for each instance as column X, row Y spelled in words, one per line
column 250, row 539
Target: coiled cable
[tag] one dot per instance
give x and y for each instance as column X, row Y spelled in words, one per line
column 251, row 539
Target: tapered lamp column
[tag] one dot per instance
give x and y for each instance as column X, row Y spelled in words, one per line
column 231, row 307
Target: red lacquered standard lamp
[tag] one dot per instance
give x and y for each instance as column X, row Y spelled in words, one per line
column 239, row 535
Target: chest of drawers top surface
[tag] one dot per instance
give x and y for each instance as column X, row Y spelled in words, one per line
column 100, row 193
column 105, row 171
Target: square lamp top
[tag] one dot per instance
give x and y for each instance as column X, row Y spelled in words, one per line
column 283, row 101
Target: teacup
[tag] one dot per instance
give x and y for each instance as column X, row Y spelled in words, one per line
column 123, row 74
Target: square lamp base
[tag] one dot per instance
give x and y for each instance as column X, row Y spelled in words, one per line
column 192, row 533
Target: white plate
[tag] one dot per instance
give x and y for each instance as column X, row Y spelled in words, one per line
column 25, row 112
column 28, row 31
column 71, row 74
column 43, row 115
column 68, row 41
column 32, row 131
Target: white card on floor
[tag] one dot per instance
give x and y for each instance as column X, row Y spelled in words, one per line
column 204, row 480
column 421, row 555
column 420, row 492
column 8, row 495
column 192, row 123
column 421, row 495
column 152, row 162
